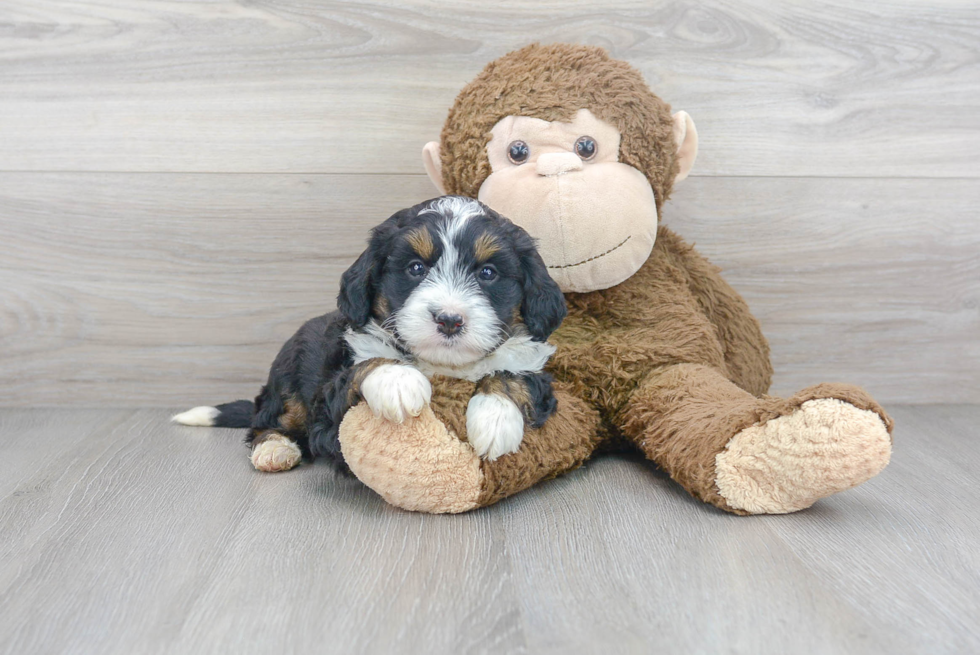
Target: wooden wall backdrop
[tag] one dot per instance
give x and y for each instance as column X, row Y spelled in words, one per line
column 182, row 183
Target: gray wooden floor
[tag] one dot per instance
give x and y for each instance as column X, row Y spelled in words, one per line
column 121, row 533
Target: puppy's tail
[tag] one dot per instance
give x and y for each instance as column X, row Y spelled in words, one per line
column 237, row 414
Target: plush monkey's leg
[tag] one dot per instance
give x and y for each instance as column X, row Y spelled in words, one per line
column 751, row 455
column 425, row 464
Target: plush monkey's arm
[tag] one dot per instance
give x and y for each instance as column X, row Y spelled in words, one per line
column 425, row 464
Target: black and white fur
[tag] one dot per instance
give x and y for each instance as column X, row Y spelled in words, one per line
column 447, row 287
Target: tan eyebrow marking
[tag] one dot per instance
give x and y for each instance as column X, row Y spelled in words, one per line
column 485, row 247
column 421, row 242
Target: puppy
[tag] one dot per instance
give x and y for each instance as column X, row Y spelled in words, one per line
column 447, row 287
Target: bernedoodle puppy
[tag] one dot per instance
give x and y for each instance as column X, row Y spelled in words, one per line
column 447, row 287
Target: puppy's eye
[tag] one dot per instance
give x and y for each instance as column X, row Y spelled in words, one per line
column 517, row 152
column 586, row 147
column 487, row 273
column 417, row 269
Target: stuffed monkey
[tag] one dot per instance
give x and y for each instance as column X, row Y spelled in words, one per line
column 657, row 352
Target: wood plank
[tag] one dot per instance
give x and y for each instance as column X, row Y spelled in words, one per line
column 616, row 553
column 165, row 290
column 888, row 567
column 832, row 88
column 873, row 282
column 153, row 536
column 37, row 448
column 914, row 531
column 145, row 289
column 146, row 536
column 29, row 431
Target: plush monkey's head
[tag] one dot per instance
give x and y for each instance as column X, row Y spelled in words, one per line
column 572, row 146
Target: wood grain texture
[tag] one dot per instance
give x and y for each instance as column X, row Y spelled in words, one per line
column 145, row 288
column 833, row 88
column 873, row 282
column 169, row 290
column 127, row 534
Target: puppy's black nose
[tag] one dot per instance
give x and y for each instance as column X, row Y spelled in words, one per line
column 449, row 324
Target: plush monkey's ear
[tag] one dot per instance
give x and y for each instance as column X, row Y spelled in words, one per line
column 433, row 164
column 686, row 138
column 543, row 308
column 358, row 284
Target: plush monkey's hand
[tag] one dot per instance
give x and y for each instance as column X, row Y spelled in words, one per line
column 418, row 465
column 396, row 392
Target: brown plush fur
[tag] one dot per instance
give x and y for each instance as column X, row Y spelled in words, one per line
column 670, row 361
column 565, row 441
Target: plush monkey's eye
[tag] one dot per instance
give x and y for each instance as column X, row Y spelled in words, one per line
column 586, row 147
column 417, row 269
column 487, row 273
column 517, row 152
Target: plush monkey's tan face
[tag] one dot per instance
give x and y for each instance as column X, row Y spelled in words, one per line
column 594, row 218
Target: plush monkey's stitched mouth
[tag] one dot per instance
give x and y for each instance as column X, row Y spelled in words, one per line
column 595, row 257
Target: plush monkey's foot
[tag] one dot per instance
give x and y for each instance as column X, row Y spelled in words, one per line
column 418, row 465
column 788, row 463
column 276, row 453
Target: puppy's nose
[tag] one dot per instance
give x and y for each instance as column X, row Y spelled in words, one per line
column 557, row 163
column 449, row 324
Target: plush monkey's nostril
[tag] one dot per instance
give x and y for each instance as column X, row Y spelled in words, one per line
column 449, row 324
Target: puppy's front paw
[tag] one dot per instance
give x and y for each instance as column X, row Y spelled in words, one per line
column 494, row 425
column 395, row 391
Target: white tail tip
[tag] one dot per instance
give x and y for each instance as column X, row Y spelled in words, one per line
column 201, row 416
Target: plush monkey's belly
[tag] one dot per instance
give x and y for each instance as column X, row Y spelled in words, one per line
column 614, row 339
column 605, row 367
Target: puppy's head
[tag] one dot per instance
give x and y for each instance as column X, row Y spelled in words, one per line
column 450, row 280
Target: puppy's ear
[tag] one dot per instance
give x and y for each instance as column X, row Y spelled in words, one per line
column 543, row 308
column 357, row 289
column 359, row 283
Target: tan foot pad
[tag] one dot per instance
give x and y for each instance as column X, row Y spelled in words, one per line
column 790, row 462
column 417, row 465
column 276, row 453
